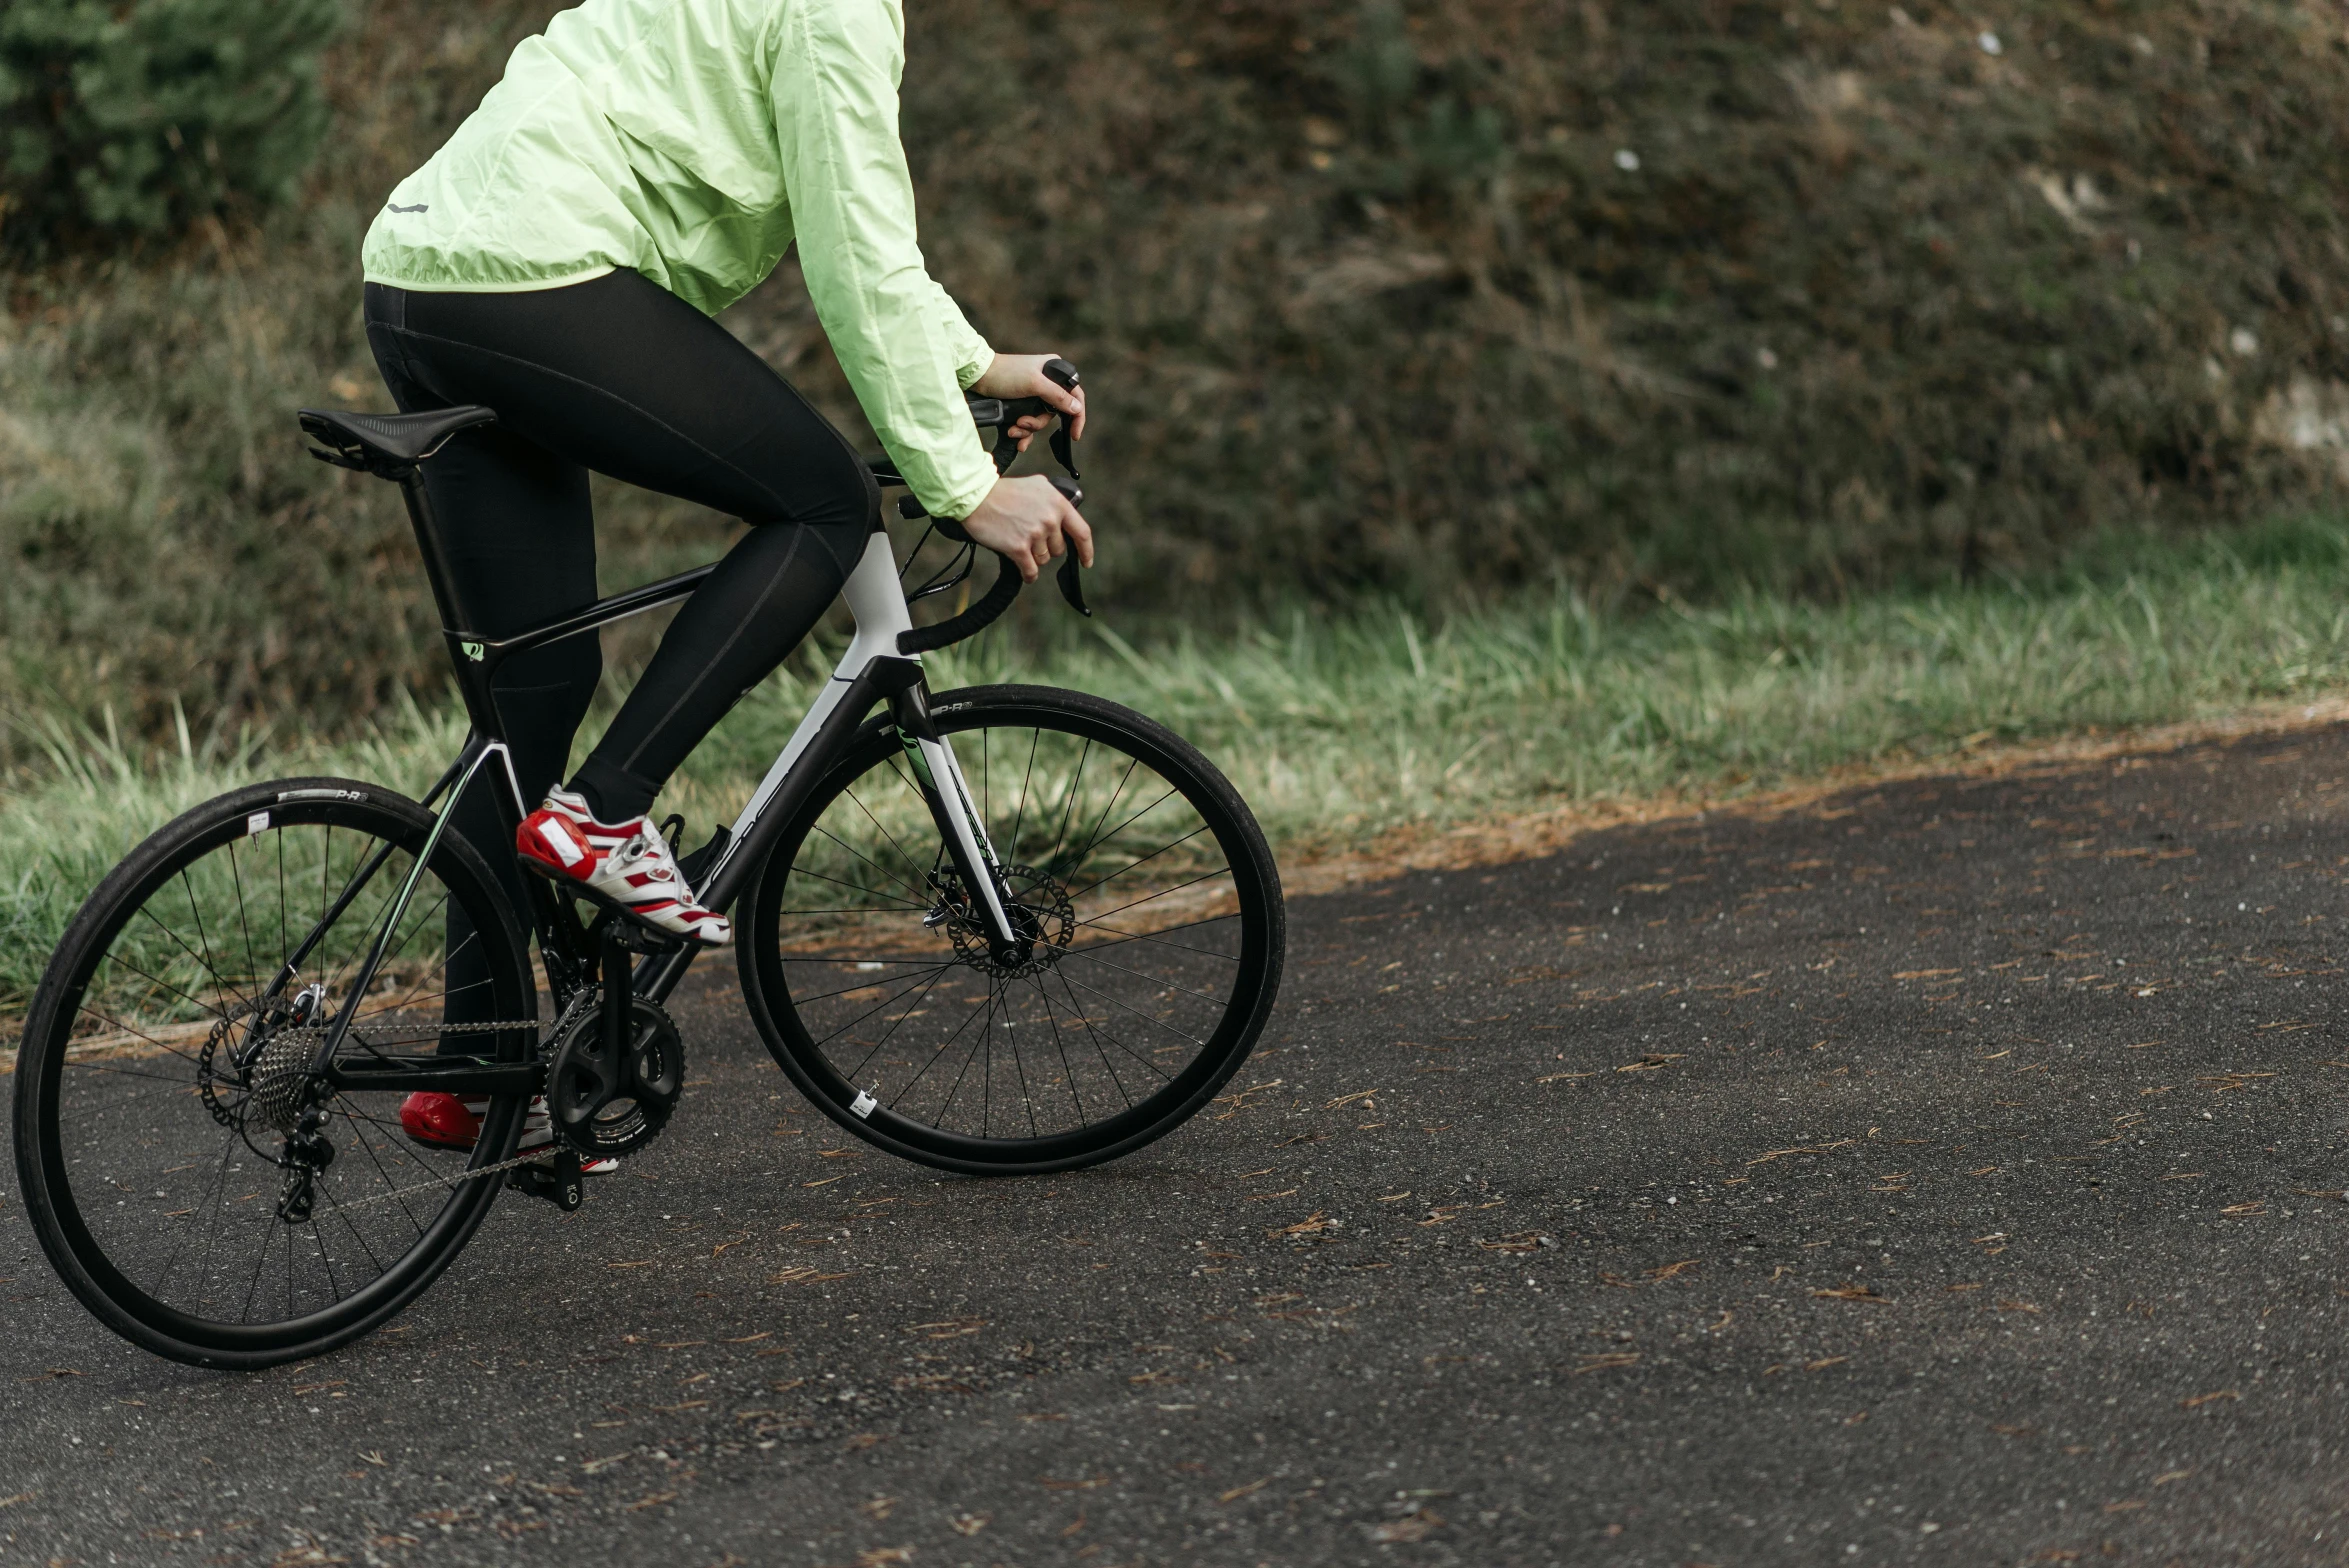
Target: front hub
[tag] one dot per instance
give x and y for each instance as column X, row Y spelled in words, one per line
column 1043, row 920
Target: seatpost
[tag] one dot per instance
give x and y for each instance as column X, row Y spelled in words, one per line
column 436, row 567
column 466, row 648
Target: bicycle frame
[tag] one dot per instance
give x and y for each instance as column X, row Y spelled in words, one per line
column 871, row 670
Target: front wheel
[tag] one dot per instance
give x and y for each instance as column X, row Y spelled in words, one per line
column 1152, row 906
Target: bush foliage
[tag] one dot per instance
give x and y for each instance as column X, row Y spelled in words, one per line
column 1416, row 299
column 135, row 119
column 1439, row 295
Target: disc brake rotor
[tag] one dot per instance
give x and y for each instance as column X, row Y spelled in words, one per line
column 1043, row 919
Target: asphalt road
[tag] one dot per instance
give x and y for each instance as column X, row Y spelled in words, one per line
column 1947, row 1172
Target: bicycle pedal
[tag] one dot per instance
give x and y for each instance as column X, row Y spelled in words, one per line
column 636, row 938
column 559, row 1182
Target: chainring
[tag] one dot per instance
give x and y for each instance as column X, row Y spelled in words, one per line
column 606, row 1108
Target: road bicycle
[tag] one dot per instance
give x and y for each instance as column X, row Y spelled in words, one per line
column 1000, row 930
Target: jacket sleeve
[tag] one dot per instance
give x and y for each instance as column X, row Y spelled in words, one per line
column 905, row 346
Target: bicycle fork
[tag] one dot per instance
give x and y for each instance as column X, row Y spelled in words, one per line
column 948, row 795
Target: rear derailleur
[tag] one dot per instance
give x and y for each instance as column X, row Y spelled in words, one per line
column 305, row 1155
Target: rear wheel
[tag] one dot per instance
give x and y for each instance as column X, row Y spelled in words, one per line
column 1151, row 907
column 159, row 1130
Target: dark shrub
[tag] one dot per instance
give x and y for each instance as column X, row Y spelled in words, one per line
column 138, row 119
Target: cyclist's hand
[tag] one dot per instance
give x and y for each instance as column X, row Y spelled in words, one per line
column 1022, row 375
column 1029, row 522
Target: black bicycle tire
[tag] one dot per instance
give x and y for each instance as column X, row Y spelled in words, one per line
column 1263, row 946
column 75, row 1254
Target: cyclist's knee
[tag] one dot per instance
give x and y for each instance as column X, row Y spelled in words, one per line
column 835, row 491
column 860, row 494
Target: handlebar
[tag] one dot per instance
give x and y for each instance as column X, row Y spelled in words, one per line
column 997, row 599
column 999, row 414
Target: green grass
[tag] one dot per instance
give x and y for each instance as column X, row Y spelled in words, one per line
column 1338, row 729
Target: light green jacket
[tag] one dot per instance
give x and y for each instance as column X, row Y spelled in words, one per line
column 693, row 140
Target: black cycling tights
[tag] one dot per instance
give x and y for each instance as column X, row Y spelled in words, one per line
column 620, row 376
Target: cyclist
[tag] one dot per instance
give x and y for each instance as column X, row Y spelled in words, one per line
column 642, row 165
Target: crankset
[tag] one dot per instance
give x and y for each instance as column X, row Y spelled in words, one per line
column 615, row 1067
column 609, row 1090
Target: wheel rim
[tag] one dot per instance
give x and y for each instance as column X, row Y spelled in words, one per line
column 163, row 1097
column 1145, row 962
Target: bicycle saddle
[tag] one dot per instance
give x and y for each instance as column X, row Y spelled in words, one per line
column 387, row 445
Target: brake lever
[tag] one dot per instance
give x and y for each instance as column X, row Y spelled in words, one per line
column 1072, row 585
column 1063, row 375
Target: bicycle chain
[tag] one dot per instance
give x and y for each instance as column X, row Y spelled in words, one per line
column 445, row 1182
column 360, row 1031
column 320, row 1032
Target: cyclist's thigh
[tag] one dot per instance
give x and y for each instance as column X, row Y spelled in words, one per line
column 517, row 529
column 516, row 523
column 622, row 376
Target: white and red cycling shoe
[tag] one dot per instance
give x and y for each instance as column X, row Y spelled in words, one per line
column 628, row 868
column 450, row 1121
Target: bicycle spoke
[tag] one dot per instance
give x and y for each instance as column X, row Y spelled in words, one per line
column 1138, row 1013
column 1145, row 860
column 1107, row 806
column 213, row 1008
column 862, row 985
column 1094, row 844
column 1094, row 955
column 228, row 1149
column 343, row 1109
column 1069, row 802
column 177, row 1085
column 942, row 1048
column 357, row 1234
column 211, row 966
column 117, row 1023
column 237, row 878
column 1019, row 812
column 1059, row 1044
column 870, row 892
column 984, row 1041
column 1108, row 1065
column 1020, row 1069
column 885, row 833
column 893, row 1028
column 858, row 1019
column 1158, row 938
column 1205, row 876
column 848, row 909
